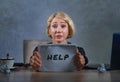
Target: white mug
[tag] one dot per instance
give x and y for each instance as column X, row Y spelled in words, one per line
column 8, row 62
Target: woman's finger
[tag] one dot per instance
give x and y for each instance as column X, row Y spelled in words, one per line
column 32, row 60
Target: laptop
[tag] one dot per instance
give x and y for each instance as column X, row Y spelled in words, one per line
column 57, row 57
column 115, row 54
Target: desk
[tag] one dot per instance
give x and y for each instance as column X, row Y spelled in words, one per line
column 26, row 75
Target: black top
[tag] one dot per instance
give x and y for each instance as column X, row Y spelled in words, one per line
column 81, row 50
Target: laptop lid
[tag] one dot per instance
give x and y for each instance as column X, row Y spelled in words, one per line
column 57, row 57
column 115, row 54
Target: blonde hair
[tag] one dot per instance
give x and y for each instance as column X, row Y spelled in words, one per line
column 66, row 18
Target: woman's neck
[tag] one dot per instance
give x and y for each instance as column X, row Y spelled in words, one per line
column 59, row 42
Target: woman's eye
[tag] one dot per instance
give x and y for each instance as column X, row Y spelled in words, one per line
column 54, row 26
column 63, row 26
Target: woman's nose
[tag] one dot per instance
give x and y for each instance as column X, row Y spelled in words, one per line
column 59, row 29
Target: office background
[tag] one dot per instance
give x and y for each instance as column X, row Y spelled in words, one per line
column 95, row 21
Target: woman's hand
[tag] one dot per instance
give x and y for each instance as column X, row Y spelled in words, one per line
column 79, row 61
column 35, row 60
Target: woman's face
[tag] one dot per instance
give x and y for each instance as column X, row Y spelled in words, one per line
column 58, row 30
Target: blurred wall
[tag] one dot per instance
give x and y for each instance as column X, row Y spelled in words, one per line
column 95, row 21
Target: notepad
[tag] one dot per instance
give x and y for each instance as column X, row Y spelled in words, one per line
column 57, row 57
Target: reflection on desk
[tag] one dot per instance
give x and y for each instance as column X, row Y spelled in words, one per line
column 26, row 75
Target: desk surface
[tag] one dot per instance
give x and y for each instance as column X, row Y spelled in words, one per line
column 26, row 75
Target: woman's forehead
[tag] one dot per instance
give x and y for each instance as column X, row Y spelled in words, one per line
column 55, row 20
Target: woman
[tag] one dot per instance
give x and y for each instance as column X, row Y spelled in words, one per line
column 60, row 27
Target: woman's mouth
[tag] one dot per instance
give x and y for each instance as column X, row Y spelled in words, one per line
column 59, row 36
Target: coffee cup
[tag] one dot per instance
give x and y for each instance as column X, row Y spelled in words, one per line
column 8, row 62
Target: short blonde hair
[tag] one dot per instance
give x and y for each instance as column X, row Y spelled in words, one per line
column 66, row 18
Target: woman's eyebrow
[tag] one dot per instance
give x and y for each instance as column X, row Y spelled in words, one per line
column 60, row 22
column 54, row 22
column 63, row 22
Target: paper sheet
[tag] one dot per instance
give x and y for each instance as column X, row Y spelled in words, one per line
column 57, row 57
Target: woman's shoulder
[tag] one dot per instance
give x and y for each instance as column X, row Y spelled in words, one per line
column 79, row 47
column 49, row 43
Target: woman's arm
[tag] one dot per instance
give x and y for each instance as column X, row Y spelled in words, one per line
column 35, row 60
column 80, row 59
column 82, row 51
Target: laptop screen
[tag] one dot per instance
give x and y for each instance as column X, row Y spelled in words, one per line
column 57, row 57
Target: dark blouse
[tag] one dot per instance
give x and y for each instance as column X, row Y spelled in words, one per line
column 81, row 50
